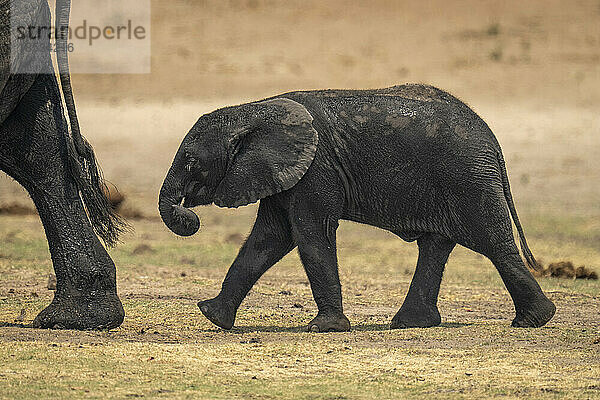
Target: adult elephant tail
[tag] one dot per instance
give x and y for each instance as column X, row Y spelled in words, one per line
column 106, row 223
column 513, row 212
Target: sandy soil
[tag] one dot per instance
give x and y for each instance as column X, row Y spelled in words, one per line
column 540, row 52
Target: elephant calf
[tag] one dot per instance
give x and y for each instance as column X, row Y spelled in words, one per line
column 411, row 159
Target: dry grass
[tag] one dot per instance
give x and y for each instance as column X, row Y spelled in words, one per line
column 166, row 348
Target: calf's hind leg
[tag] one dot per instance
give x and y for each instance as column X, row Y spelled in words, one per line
column 419, row 309
column 491, row 234
column 533, row 309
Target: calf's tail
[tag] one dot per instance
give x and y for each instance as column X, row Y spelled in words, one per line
column 529, row 258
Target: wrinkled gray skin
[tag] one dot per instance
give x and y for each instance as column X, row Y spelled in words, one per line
column 411, row 159
column 59, row 172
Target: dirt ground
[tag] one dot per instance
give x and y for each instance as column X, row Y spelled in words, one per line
column 530, row 69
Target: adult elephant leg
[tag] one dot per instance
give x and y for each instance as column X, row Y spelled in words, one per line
column 269, row 241
column 419, row 309
column 315, row 232
column 33, row 150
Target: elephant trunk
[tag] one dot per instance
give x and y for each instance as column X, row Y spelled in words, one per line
column 180, row 220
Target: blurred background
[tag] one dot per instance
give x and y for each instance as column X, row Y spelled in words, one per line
column 530, row 69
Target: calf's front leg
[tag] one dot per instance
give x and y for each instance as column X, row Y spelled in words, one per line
column 269, row 241
column 316, row 238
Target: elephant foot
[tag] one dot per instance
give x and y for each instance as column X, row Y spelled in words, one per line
column 535, row 315
column 416, row 317
column 218, row 312
column 82, row 312
column 329, row 321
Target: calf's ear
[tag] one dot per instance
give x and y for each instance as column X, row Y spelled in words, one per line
column 269, row 155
